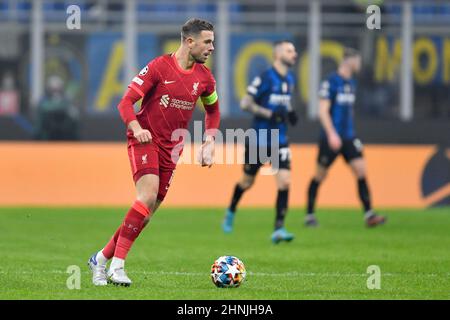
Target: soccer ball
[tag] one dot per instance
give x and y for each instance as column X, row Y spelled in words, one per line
column 228, row 272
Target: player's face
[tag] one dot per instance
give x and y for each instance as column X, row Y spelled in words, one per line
column 355, row 63
column 288, row 54
column 202, row 46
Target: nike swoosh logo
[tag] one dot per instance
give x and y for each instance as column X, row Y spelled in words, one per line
column 167, row 82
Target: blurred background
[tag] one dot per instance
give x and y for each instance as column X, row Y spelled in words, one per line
column 66, row 183
column 61, row 82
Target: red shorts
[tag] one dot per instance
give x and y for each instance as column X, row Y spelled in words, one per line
column 147, row 158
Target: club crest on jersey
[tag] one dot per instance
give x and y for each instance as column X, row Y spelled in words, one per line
column 195, row 88
column 144, row 159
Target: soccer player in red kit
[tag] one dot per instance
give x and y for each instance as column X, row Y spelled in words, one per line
column 169, row 86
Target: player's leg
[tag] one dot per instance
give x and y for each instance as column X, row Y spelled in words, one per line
column 151, row 191
column 107, row 252
column 318, row 178
column 244, row 184
column 283, row 179
column 246, row 181
column 324, row 160
column 358, row 167
column 352, row 151
column 157, row 205
column 119, row 245
column 145, row 169
column 134, row 222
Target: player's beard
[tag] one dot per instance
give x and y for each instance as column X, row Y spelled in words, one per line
column 198, row 59
column 288, row 63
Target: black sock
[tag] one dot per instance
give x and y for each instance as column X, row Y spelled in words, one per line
column 312, row 194
column 282, row 204
column 237, row 194
column 364, row 194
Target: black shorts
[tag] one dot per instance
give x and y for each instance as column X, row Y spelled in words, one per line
column 253, row 163
column 350, row 150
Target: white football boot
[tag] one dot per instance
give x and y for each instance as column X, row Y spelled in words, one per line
column 98, row 271
column 118, row 277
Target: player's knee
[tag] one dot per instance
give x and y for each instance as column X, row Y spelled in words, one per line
column 284, row 183
column 148, row 198
column 320, row 175
column 359, row 172
column 246, row 183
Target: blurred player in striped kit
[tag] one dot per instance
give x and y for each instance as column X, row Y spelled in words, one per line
column 338, row 137
column 268, row 98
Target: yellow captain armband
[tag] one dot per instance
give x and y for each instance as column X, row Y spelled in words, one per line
column 211, row 99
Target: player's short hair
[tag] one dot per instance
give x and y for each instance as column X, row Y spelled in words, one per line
column 280, row 42
column 194, row 26
column 350, row 53
column 277, row 44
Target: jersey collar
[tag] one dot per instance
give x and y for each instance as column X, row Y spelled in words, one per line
column 179, row 68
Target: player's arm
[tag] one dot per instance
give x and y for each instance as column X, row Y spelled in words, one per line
column 257, row 88
column 210, row 101
column 212, row 114
column 327, row 92
column 248, row 104
column 292, row 114
column 126, row 110
column 325, row 119
column 142, row 83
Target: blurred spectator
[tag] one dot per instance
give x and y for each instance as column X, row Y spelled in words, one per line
column 9, row 95
column 57, row 118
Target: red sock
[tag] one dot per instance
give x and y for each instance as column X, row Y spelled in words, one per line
column 131, row 228
column 108, row 250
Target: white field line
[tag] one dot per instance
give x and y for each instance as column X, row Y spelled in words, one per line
column 257, row 274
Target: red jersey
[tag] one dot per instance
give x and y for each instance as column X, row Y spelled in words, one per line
column 169, row 97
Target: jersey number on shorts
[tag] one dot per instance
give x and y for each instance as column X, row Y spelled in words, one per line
column 358, row 144
column 285, row 154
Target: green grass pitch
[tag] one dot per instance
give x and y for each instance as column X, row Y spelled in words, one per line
column 172, row 257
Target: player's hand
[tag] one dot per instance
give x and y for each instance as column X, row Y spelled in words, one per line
column 143, row 135
column 292, row 117
column 278, row 115
column 206, row 154
column 335, row 142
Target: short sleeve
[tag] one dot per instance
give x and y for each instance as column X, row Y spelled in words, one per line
column 146, row 79
column 258, row 86
column 326, row 90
